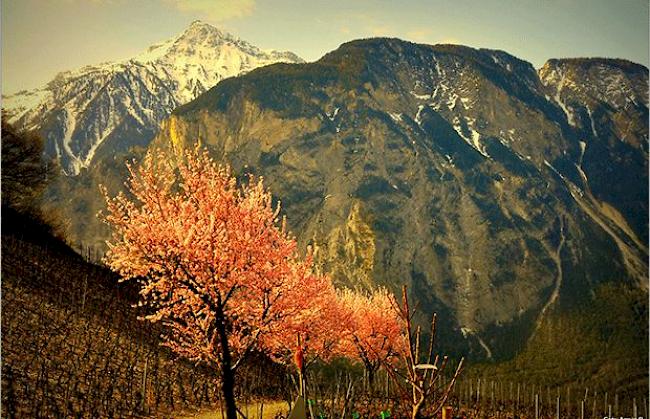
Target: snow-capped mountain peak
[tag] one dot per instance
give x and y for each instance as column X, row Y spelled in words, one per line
column 112, row 106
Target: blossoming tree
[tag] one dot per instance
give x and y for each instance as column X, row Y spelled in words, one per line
column 376, row 333
column 314, row 328
column 214, row 263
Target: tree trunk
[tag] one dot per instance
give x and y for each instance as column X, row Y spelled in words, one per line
column 228, row 391
column 303, row 386
column 415, row 412
column 227, row 374
column 371, row 378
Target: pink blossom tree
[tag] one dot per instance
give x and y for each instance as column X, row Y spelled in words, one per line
column 376, row 334
column 314, row 327
column 214, row 264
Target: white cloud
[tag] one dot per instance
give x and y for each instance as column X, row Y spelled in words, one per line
column 419, row 34
column 215, row 10
column 449, row 41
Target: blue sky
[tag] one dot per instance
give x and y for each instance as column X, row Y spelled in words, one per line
column 43, row 37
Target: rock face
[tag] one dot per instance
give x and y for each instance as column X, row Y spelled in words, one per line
column 497, row 193
column 91, row 113
column 606, row 102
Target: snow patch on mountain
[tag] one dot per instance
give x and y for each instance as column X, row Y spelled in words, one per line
column 469, row 134
column 397, row 117
column 591, row 120
column 557, row 97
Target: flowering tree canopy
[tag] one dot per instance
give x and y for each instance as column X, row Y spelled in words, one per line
column 377, row 332
column 314, row 326
column 214, row 263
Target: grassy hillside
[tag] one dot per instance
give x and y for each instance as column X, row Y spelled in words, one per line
column 601, row 346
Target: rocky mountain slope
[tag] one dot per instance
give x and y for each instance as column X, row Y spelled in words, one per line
column 498, row 193
column 93, row 112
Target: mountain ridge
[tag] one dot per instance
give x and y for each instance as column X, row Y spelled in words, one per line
column 116, row 105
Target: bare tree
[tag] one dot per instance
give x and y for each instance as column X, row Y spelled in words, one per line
column 420, row 383
column 24, row 170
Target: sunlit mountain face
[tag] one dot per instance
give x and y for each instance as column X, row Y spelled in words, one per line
column 498, row 193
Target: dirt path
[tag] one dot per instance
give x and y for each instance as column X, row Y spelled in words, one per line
column 269, row 410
